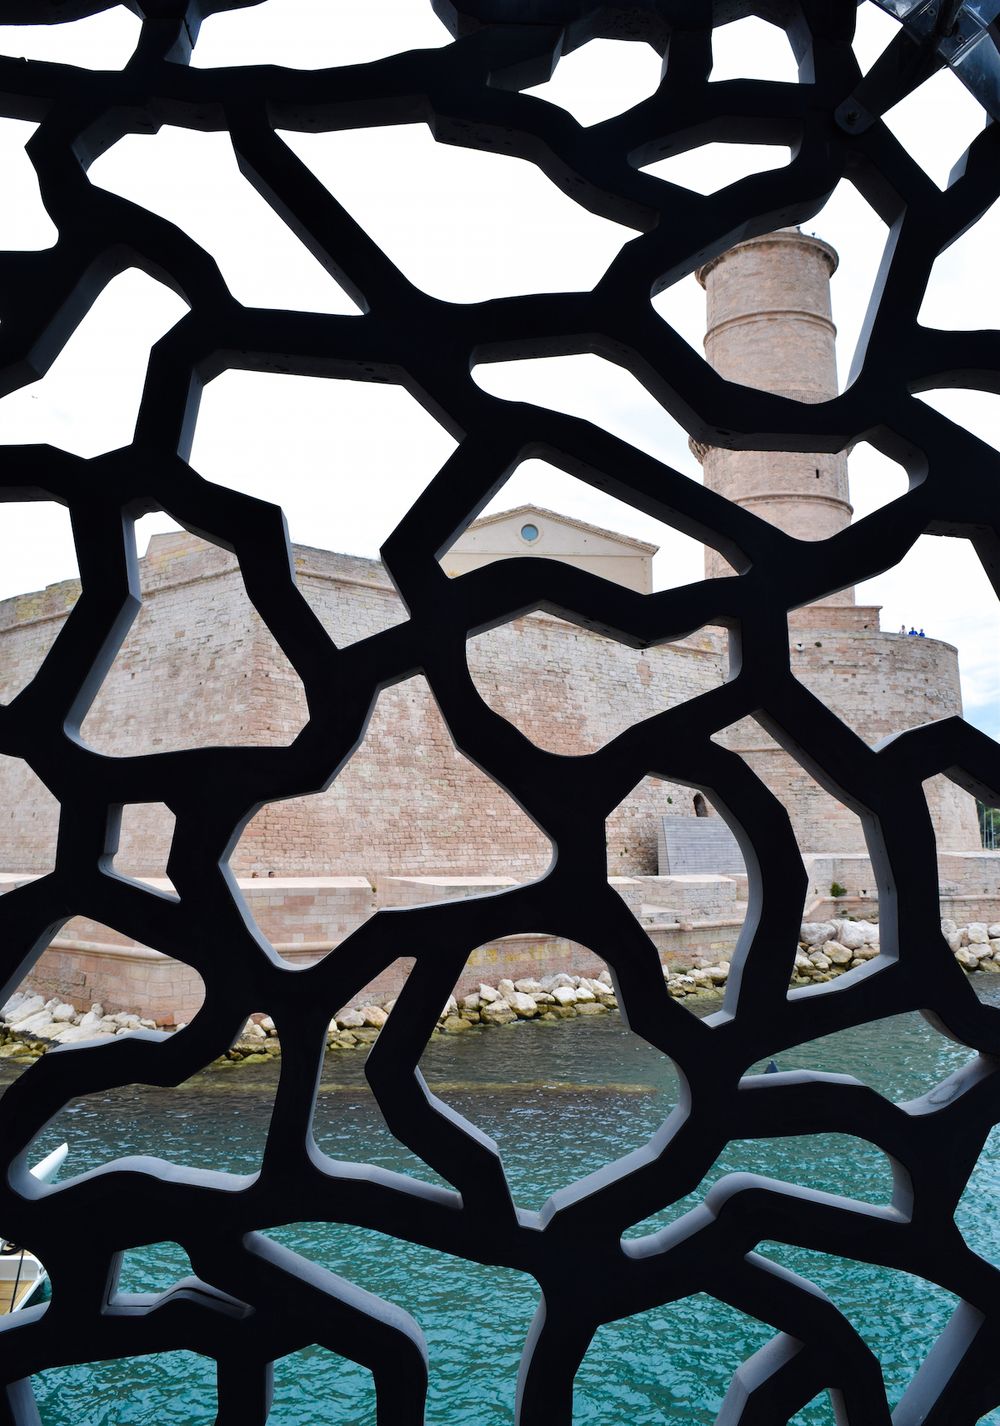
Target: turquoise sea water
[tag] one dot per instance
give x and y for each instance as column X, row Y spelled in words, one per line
column 560, row 1100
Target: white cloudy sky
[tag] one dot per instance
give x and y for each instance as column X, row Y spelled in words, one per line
column 346, row 459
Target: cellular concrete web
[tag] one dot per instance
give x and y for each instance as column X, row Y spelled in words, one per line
column 251, row 1301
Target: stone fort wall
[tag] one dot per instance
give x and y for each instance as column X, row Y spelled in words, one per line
column 879, row 684
column 199, row 668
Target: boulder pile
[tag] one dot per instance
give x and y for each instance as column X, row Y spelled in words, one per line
column 554, row 997
column 29, row 1024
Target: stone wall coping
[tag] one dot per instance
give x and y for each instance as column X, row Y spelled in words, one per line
column 138, row 952
column 303, row 883
column 275, row 883
column 696, row 878
column 134, row 952
column 453, row 880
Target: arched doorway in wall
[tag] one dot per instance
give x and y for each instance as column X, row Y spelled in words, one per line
column 700, row 805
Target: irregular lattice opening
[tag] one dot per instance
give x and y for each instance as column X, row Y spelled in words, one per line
column 752, row 49
column 144, row 839
column 110, row 982
column 192, row 179
column 29, row 823
column 179, row 1125
column 24, row 222
column 462, row 225
column 532, row 1018
column 842, row 1164
column 662, row 1382
column 344, row 459
column 714, row 166
column 177, row 1388
column 24, row 1282
column 876, row 480
column 936, row 123
column 818, row 1412
column 882, row 683
column 407, row 804
column 968, row 867
column 951, row 301
column 88, row 400
column 39, row 584
column 601, row 79
column 301, row 35
column 50, row 1007
column 474, row 1338
column 940, row 587
column 973, row 1223
column 315, row 1381
column 153, row 1268
column 571, row 690
column 348, row 1124
column 976, row 411
column 682, row 305
column 556, row 515
column 595, row 390
column 830, row 836
column 677, row 866
column 199, row 667
column 989, row 825
column 901, row 1057
column 898, row 1314
column 155, row 523
column 874, row 31
column 304, row 911
column 859, row 236
column 102, row 41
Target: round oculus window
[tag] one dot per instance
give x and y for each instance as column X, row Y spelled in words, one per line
column 529, row 533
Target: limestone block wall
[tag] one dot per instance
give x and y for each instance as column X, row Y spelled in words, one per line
column 199, row 668
column 410, row 804
column 879, row 684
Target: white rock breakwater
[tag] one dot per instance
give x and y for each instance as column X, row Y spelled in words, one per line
column 30, row 1025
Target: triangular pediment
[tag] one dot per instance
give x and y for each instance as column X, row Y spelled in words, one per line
column 557, row 533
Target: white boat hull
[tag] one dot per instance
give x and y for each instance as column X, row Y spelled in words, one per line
column 21, row 1277
column 21, row 1273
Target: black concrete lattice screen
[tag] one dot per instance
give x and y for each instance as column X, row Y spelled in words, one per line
column 253, row 1302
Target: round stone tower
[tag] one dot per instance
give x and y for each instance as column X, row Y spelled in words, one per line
column 770, row 326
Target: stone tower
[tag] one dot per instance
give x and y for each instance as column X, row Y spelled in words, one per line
column 770, row 326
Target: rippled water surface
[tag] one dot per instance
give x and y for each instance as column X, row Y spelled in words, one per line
column 560, row 1099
